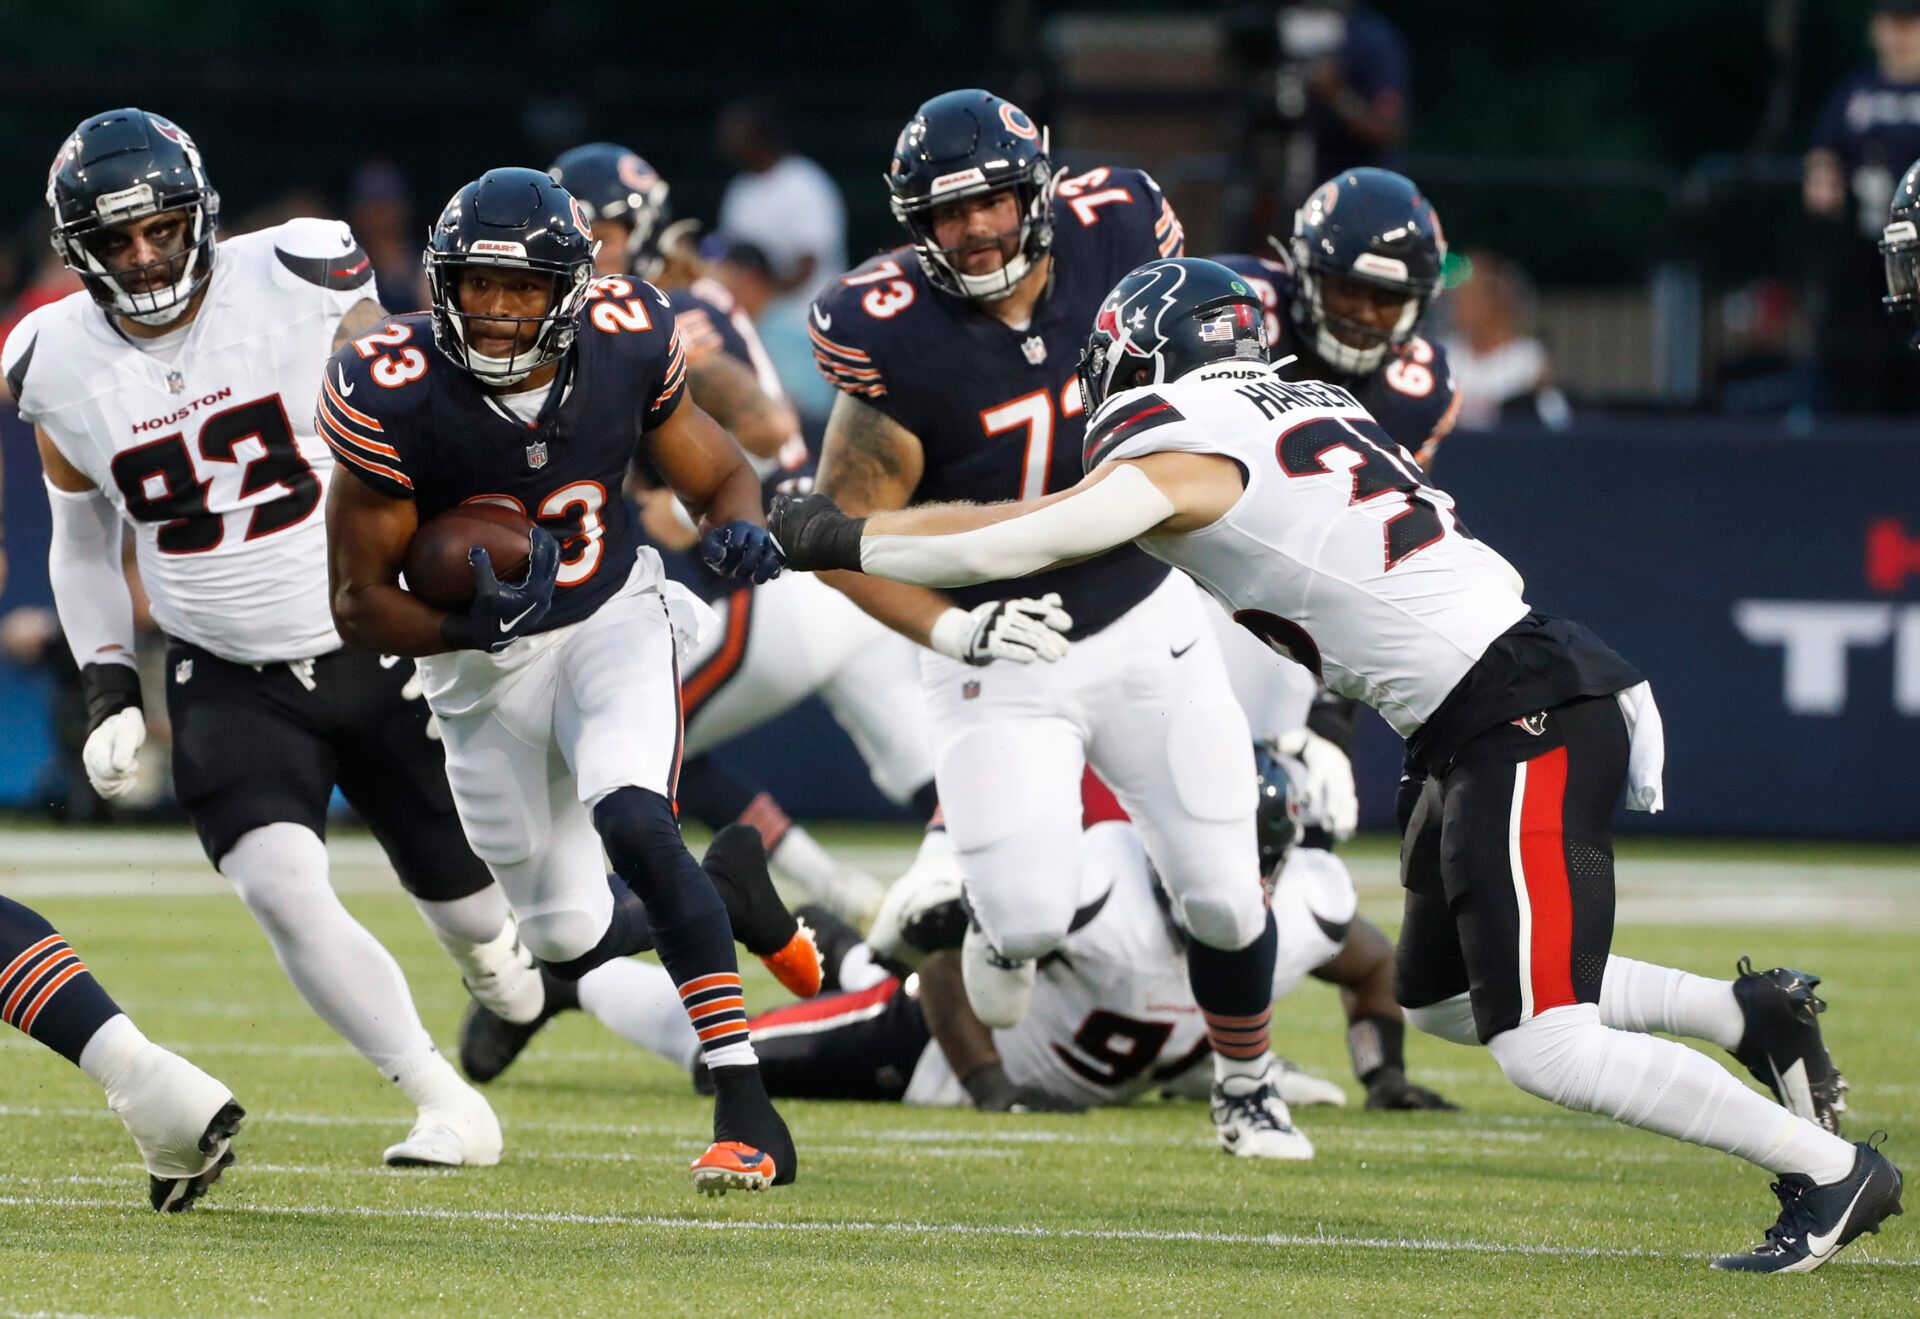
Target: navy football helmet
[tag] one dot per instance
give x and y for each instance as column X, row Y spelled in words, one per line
column 1900, row 248
column 967, row 144
column 1374, row 228
column 1277, row 817
column 127, row 165
column 1167, row 318
column 613, row 183
column 514, row 219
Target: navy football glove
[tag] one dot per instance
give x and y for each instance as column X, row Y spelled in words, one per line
column 503, row 612
column 814, row 534
column 742, row 551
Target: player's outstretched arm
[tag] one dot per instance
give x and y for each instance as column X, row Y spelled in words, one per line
column 367, row 538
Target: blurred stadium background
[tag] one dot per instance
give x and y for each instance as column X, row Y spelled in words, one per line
column 1717, row 468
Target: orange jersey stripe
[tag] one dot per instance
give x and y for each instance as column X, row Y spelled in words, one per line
column 357, row 461
column 328, row 391
column 332, row 423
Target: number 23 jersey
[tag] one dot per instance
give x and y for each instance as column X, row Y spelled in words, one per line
column 411, row 424
column 204, row 439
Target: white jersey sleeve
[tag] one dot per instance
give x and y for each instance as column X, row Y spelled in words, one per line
column 1339, row 554
column 204, row 439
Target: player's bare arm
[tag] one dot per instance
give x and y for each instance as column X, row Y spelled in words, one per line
column 728, row 391
column 704, row 466
column 960, row 544
column 363, row 317
column 367, row 538
column 870, row 462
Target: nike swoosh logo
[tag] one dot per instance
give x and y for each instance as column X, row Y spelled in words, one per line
column 1184, row 649
column 508, row 624
column 1822, row 1244
column 1795, row 1093
column 345, row 388
column 821, row 319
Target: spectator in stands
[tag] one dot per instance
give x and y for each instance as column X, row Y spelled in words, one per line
column 1867, row 136
column 1502, row 370
column 786, row 206
column 380, row 209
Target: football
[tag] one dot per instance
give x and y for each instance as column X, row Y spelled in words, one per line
column 437, row 569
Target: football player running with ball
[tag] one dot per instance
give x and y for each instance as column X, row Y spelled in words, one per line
column 954, row 358
column 1293, row 509
column 175, row 395
column 532, row 385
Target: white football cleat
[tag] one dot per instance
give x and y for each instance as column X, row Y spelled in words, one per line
column 502, row 978
column 999, row 990
column 1253, row 1120
column 182, row 1120
column 922, row 912
column 1302, row 1089
column 457, row 1130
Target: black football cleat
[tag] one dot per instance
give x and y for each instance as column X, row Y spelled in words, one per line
column 1782, row 1045
column 173, row 1195
column 1816, row 1221
column 490, row 1043
column 736, row 862
column 1389, row 1091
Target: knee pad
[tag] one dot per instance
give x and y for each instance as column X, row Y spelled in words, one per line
column 561, row 937
column 1558, row 1055
column 1020, row 935
column 1225, row 916
column 280, row 872
column 1449, row 1019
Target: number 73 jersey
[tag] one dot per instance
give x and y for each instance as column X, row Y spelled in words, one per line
column 204, row 439
column 1339, row 554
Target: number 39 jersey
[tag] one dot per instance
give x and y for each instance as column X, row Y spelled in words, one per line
column 997, row 410
column 406, row 420
column 1339, row 554
column 204, row 440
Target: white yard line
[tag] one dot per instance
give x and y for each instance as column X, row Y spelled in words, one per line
column 841, row 1227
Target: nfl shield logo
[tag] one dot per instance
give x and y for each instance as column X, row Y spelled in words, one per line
column 1035, row 348
column 176, row 383
column 969, row 689
column 537, row 455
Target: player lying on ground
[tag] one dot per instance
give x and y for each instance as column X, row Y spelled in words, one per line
column 530, row 387
column 793, row 637
column 174, row 396
column 1287, row 502
column 181, row 1119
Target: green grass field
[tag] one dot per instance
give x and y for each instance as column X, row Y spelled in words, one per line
column 1511, row 1207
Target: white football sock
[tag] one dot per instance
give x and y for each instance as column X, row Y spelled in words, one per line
column 637, row 1001
column 805, row 862
column 345, row 975
column 427, row 1079
column 1566, row 1056
column 1640, row 996
column 475, row 919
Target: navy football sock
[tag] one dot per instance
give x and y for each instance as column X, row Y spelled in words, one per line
column 712, row 793
column 1235, row 993
column 45, row 989
column 690, row 929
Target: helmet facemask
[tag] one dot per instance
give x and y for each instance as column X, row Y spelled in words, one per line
column 1353, row 346
column 555, row 327
column 185, row 272
column 1033, row 194
column 1900, row 249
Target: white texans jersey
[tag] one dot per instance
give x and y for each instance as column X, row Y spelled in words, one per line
column 1112, row 1013
column 204, row 440
column 1339, row 555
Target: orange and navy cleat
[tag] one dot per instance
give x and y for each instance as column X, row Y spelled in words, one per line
column 732, row 1165
column 797, row 966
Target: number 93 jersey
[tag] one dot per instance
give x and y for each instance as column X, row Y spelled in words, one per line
column 1339, row 554
column 997, row 410
column 204, row 439
column 406, row 420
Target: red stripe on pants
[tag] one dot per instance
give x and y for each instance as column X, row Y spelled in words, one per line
column 1543, row 863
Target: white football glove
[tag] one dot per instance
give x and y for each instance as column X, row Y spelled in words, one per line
column 1018, row 630
column 113, row 750
column 1325, row 787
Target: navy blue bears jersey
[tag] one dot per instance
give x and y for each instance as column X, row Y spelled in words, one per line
column 403, row 418
column 997, row 410
column 1412, row 395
